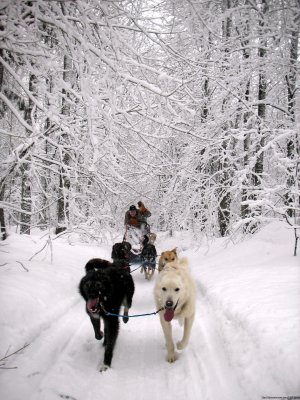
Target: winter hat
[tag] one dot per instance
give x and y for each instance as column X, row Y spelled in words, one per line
column 132, row 208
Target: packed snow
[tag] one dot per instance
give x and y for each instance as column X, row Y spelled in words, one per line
column 245, row 342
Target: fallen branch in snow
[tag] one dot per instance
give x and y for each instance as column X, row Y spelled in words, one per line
column 2, row 366
column 48, row 243
column 26, row 269
column 295, row 227
column 296, row 241
column 66, row 396
column 19, row 262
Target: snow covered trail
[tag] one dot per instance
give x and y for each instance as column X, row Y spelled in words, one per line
column 63, row 361
column 244, row 343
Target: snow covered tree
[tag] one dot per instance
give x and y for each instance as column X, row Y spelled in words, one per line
column 189, row 106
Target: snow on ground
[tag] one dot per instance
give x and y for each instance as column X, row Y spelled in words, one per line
column 245, row 342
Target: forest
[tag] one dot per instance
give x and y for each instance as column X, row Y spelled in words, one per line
column 191, row 106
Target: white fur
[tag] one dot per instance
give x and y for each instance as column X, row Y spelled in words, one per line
column 174, row 276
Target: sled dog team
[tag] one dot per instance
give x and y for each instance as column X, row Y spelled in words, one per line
column 107, row 286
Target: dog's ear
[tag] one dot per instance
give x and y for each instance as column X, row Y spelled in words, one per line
column 174, row 250
column 162, row 254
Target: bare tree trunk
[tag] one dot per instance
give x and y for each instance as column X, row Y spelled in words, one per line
column 26, row 201
column 64, row 181
column 256, row 176
column 292, row 147
column 3, row 233
column 44, row 216
column 245, row 210
column 224, row 165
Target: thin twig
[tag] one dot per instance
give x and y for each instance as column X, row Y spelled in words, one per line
column 39, row 251
column 11, row 354
column 26, row 269
column 296, row 241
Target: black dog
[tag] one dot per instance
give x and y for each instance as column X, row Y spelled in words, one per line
column 96, row 263
column 148, row 257
column 105, row 289
column 121, row 254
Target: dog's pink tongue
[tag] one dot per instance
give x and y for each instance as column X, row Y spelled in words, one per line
column 92, row 303
column 169, row 314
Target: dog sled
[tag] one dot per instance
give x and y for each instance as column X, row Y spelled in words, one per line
column 136, row 237
column 142, row 251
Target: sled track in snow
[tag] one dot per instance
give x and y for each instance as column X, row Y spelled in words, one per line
column 65, row 347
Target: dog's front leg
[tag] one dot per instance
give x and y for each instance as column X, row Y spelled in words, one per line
column 188, row 322
column 96, row 322
column 152, row 272
column 167, row 329
column 111, row 332
column 127, row 301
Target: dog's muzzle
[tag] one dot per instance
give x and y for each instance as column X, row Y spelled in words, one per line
column 93, row 305
column 170, row 310
column 169, row 304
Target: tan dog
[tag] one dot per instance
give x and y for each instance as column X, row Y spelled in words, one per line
column 166, row 257
column 175, row 295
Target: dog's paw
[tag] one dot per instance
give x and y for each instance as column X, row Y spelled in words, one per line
column 104, row 368
column 171, row 357
column 99, row 335
column 181, row 345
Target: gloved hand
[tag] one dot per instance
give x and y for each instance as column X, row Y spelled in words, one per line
column 142, row 208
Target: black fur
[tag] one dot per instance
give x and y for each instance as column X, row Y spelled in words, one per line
column 149, row 253
column 96, row 263
column 145, row 240
column 105, row 288
column 121, row 254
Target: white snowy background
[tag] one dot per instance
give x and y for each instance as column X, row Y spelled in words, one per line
column 193, row 107
column 245, row 342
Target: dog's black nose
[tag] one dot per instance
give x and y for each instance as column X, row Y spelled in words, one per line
column 169, row 304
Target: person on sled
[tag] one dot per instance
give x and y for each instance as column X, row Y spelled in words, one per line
column 137, row 218
column 136, row 226
column 132, row 217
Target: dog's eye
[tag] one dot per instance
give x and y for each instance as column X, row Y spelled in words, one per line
column 164, row 289
column 177, row 289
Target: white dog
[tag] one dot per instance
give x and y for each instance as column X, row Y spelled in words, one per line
column 175, row 295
